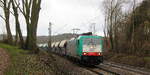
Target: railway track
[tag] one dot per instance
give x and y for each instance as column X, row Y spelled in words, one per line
column 101, row 71
column 95, row 69
column 115, row 69
column 122, row 69
column 110, row 68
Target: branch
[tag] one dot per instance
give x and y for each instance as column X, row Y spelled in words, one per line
column 2, row 17
column 30, row 3
column 1, row 1
column 18, row 6
column 9, row 3
column 2, row 6
column 11, row 12
column 23, row 9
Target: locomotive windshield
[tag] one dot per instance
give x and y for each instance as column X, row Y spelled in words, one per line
column 92, row 45
column 91, row 41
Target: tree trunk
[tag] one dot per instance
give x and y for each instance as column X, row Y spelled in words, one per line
column 16, row 39
column 18, row 30
column 7, row 16
column 32, row 22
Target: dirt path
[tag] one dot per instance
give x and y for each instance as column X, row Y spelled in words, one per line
column 4, row 58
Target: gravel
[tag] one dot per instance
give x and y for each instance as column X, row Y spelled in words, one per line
column 66, row 67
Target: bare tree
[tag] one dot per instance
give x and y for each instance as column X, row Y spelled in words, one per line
column 31, row 11
column 6, row 8
column 112, row 12
column 18, row 30
column 128, row 31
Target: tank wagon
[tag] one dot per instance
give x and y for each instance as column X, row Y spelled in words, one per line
column 86, row 48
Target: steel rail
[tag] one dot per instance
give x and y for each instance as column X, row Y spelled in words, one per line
column 127, row 68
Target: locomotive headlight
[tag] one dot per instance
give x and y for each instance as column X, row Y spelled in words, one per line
column 84, row 53
column 99, row 53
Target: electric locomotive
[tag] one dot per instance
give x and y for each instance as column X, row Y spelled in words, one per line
column 86, row 48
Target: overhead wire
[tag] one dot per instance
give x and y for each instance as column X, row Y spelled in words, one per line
column 66, row 26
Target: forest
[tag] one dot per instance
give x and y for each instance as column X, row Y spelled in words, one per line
column 127, row 35
column 128, row 32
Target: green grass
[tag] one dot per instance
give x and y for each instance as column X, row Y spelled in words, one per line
column 147, row 61
column 24, row 63
column 13, row 51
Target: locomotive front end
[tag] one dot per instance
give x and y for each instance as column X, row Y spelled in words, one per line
column 92, row 50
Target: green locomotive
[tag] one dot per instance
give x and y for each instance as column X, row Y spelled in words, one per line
column 87, row 48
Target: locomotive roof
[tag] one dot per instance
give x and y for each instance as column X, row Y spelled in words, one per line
column 91, row 36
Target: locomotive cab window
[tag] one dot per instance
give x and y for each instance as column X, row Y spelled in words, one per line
column 92, row 45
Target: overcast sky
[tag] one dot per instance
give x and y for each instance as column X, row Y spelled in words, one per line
column 66, row 15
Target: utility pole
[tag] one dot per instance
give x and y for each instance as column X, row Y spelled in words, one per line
column 50, row 34
column 92, row 28
column 133, row 21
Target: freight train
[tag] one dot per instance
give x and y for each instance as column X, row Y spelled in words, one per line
column 87, row 48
